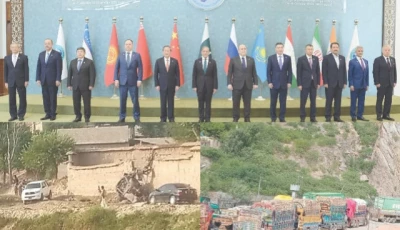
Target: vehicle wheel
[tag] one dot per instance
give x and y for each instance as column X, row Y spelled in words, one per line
column 172, row 200
column 41, row 196
column 49, row 197
column 152, row 200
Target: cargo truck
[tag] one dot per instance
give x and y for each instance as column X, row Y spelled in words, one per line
column 356, row 212
column 386, row 209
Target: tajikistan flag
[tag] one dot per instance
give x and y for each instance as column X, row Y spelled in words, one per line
column 316, row 42
column 205, row 41
column 289, row 50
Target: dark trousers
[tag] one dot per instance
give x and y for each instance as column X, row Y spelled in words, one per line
column 357, row 100
column 167, row 96
column 12, row 99
column 274, row 94
column 333, row 93
column 204, row 98
column 77, row 94
column 123, row 93
column 237, row 94
column 49, row 92
column 384, row 92
column 304, row 94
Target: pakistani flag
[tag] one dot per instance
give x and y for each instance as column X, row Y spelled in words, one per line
column 289, row 50
column 205, row 41
column 60, row 47
column 316, row 42
column 354, row 43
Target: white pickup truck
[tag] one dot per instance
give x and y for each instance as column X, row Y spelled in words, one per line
column 36, row 190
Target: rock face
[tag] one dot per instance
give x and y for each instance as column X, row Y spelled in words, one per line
column 386, row 173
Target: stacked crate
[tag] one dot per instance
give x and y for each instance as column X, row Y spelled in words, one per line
column 309, row 214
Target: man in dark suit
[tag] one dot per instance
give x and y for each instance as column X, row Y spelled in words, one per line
column 205, row 82
column 279, row 78
column 385, row 79
column 16, row 77
column 242, row 79
column 358, row 82
column 128, row 77
column 48, row 76
column 308, row 80
column 167, row 81
column 335, row 80
column 81, row 78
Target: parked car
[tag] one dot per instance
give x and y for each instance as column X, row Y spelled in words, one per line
column 36, row 190
column 173, row 193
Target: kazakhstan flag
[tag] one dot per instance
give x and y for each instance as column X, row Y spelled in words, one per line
column 260, row 55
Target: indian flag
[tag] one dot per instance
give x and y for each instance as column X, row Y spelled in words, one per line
column 316, row 42
column 205, row 41
column 289, row 50
column 332, row 38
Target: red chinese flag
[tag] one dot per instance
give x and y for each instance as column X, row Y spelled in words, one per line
column 176, row 52
column 143, row 50
column 112, row 56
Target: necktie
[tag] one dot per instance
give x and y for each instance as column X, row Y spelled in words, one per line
column 280, row 62
column 128, row 58
column 79, row 64
column 205, row 65
column 243, row 63
column 387, row 61
column 310, row 62
column 14, row 59
column 167, row 65
column 362, row 64
column 47, row 57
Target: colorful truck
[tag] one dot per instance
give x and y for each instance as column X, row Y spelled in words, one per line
column 333, row 213
column 356, row 212
column 308, row 214
column 386, row 209
column 276, row 215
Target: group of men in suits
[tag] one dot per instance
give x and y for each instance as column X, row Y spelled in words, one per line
column 241, row 80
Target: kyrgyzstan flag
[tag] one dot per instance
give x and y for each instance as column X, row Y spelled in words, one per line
column 176, row 52
column 113, row 52
column 143, row 50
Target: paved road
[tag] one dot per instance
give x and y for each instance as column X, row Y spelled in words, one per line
column 379, row 226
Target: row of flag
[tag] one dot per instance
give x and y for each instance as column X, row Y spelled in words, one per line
column 258, row 53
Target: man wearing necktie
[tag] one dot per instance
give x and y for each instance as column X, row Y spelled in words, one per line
column 242, row 79
column 205, row 82
column 167, row 82
column 308, row 80
column 358, row 82
column 335, row 80
column 16, row 77
column 48, row 76
column 81, row 78
column 279, row 77
column 385, row 79
column 128, row 77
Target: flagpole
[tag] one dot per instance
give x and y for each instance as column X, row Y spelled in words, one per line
column 289, row 98
column 320, row 88
column 260, row 98
column 233, row 22
column 141, row 97
column 114, row 96
column 61, row 92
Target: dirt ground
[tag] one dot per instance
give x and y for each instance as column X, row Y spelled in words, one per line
column 379, row 226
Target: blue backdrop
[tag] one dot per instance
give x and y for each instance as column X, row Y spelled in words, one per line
column 41, row 21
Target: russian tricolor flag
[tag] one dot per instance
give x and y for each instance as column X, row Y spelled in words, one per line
column 232, row 48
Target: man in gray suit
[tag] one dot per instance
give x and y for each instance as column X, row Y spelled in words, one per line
column 81, row 77
column 242, row 79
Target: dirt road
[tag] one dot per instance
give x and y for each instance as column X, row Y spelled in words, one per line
column 379, row 226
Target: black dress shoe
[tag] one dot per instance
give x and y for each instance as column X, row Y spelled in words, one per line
column 87, row 120
column 328, row 120
column 21, row 118
column 12, row 119
column 235, row 120
column 302, row 120
column 388, row 118
column 354, row 119
column 77, row 119
column 273, row 120
column 45, row 118
column 172, row 120
column 379, row 119
column 137, row 120
column 282, row 120
column 247, row 120
column 121, row 120
column 338, row 120
column 52, row 118
column 362, row 119
column 313, row 120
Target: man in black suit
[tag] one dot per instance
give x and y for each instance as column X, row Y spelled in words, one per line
column 279, row 77
column 205, row 82
column 81, row 78
column 167, row 81
column 48, row 76
column 242, row 79
column 385, row 79
column 334, row 74
column 16, row 76
column 308, row 74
